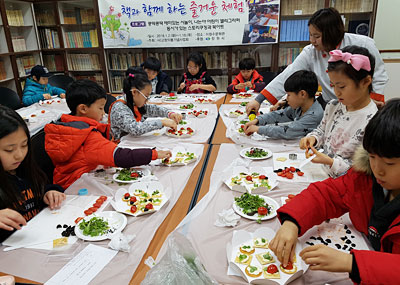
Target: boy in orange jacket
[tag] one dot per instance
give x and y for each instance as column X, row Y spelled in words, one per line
column 248, row 78
column 78, row 142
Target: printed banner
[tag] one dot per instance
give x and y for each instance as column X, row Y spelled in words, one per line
column 185, row 23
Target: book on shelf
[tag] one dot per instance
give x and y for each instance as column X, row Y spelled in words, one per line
column 3, row 73
column 168, row 59
column 44, row 17
column 79, row 16
column 294, row 30
column 97, row 77
column 19, row 43
column 84, row 39
column 307, row 7
column 221, row 81
column 288, row 55
column 354, row 6
column 53, row 62
column 122, row 61
column 116, row 81
column 15, row 17
column 261, row 57
column 25, row 64
column 83, row 62
column 49, row 38
column 216, row 59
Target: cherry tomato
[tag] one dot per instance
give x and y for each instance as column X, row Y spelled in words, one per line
column 262, row 177
column 93, row 209
column 87, row 212
column 249, row 178
column 134, row 174
column 292, row 169
column 99, row 201
column 289, row 266
column 272, row 269
column 280, row 173
column 149, row 206
column 289, row 175
column 127, row 195
column 262, row 211
column 104, row 198
column 299, row 173
column 291, row 196
column 133, row 209
column 78, row 220
column 133, row 199
column 97, row 205
column 43, row 111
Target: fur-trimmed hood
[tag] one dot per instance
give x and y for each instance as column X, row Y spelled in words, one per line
column 361, row 161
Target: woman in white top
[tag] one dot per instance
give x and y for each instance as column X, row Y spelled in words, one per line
column 326, row 33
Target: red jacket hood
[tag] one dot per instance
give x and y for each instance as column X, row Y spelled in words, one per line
column 65, row 137
column 254, row 76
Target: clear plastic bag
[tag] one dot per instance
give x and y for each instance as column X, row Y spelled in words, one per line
column 180, row 265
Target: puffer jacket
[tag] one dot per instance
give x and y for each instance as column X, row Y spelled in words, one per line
column 33, row 91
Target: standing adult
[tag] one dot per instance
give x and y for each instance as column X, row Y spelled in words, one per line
column 326, row 33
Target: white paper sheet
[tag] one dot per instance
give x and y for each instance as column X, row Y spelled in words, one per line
column 83, row 267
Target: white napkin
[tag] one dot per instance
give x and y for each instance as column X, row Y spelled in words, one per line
column 120, row 242
column 227, row 218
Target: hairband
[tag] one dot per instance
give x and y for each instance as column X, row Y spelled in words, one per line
column 357, row 61
column 131, row 75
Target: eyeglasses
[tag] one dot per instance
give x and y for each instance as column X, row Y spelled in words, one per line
column 145, row 97
column 192, row 67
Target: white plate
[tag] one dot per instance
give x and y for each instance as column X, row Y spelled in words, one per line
column 270, row 202
column 181, row 107
column 231, row 113
column 116, row 221
column 145, row 171
column 190, row 113
column 184, row 135
column 183, row 163
column 243, row 153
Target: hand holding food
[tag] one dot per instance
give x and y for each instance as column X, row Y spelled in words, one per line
column 284, row 242
column 54, row 199
column 46, row 96
column 169, row 123
column 252, row 105
column 306, row 143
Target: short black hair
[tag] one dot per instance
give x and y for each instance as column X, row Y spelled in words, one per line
column 348, row 69
column 152, row 63
column 382, row 133
column 83, row 92
column 329, row 22
column 247, row 64
column 199, row 60
column 302, row 80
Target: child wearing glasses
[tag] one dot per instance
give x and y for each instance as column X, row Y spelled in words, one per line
column 129, row 117
column 196, row 79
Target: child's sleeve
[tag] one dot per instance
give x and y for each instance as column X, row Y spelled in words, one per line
column 122, row 118
column 340, row 165
column 30, row 97
column 231, row 88
column 259, row 86
column 53, row 90
column 319, row 132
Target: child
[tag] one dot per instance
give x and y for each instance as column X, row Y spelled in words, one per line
column 304, row 112
column 197, row 79
column 161, row 83
column 247, row 79
column 78, row 143
column 38, row 88
column 254, row 34
column 23, row 191
column 129, row 117
column 369, row 192
column 342, row 128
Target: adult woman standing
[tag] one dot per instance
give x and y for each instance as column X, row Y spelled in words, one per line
column 326, row 33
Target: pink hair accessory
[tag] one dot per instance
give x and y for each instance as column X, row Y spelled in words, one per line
column 357, row 61
column 131, row 75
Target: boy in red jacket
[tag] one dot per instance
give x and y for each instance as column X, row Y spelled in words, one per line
column 247, row 79
column 78, row 142
column 369, row 192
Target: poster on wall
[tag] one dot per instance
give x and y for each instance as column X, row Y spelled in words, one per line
column 185, row 23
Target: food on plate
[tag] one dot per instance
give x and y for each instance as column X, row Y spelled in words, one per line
column 282, row 159
column 132, row 201
column 250, row 204
column 260, row 242
column 244, row 121
column 77, row 220
column 181, row 132
column 253, row 271
column 235, row 113
column 147, row 208
column 182, row 122
column 187, row 106
column 132, row 209
column 43, row 111
column 265, row 258
column 156, row 194
column 94, row 227
column 243, row 104
column 243, row 96
column 128, row 174
column 138, row 192
column 180, row 157
column 271, row 272
column 33, row 115
column 290, row 268
column 243, row 258
column 256, row 152
column 202, row 100
column 253, row 181
column 198, row 113
column 288, row 172
column 247, row 249
column 126, row 197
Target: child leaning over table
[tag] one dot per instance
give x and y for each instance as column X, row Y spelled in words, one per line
column 369, row 192
column 78, row 143
column 37, row 87
column 342, row 128
column 248, row 78
column 23, row 189
column 301, row 117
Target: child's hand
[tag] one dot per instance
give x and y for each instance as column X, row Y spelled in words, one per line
column 249, row 130
column 194, row 87
column 176, row 117
column 169, row 123
column 321, row 157
column 284, row 242
column 322, row 257
column 248, row 124
column 279, row 104
column 47, row 96
column 53, row 199
column 182, row 85
column 307, row 142
column 164, row 93
column 163, row 154
column 252, row 105
column 248, row 84
column 62, row 95
column 240, row 86
column 11, row 219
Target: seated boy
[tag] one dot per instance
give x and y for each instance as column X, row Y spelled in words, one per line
column 161, row 83
column 301, row 117
column 78, row 143
column 247, row 79
column 38, row 88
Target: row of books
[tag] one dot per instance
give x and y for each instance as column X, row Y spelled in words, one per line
column 169, row 60
column 49, row 38
column 354, row 6
column 294, row 30
column 123, row 60
column 15, row 17
column 97, row 77
column 79, row 16
column 3, row 73
column 262, row 57
column 216, row 59
column 19, row 43
column 116, row 82
column 83, row 61
column 44, row 17
column 53, row 62
column 81, row 39
column 25, row 64
column 288, row 55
